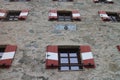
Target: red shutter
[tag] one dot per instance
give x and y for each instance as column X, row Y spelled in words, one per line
column 87, row 57
column 118, row 47
column 104, row 16
column 110, row 1
column 53, row 15
column 52, row 57
column 3, row 14
column 95, row 1
column 23, row 15
column 8, row 56
column 76, row 15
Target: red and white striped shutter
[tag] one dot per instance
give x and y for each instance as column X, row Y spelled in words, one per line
column 118, row 47
column 3, row 14
column 53, row 15
column 110, row 1
column 104, row 16
column 8, row 55
column 52, row 57
column 95, row 1
column 23, row 15
column 87, row 56
column 75, row 15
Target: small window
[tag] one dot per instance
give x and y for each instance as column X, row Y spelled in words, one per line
column 64, row 15
column 12, row 15
column 115, row 17
column 69, row 58
column 2, row 49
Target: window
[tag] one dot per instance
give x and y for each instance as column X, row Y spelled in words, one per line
column 13, row 15
column 109, row 16
column 103, row 1
column 64, row 0
column 66, row 57
column 69, row 58
column 62, row 15
column 7, row 53
column 115, row 17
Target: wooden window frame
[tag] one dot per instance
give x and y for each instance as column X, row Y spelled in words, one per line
column 64, row 14
column 68, row 50
column 114, row 14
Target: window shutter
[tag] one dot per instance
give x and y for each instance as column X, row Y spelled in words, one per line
column 3, row 14
column 52, row 57
column 23, row 15
column 75, row 15
column 8, row 56
column 118, row 47
column 53, row 15
column 87, row 56
column 104, row 16
column 110, row 1
column 95, row 1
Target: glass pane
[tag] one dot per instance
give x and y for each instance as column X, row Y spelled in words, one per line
column 64, row 68
column 64, row 60
column 74, row 67
column 63, row 54
column 73, row 60
column 73, row 54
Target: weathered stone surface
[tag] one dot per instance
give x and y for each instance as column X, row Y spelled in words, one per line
column 34, row 34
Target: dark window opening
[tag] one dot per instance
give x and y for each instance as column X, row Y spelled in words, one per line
column 103, row 1
column 2, row 49
column 12, row 15
column 115, row 17
column 69, row 58
column 64, row 15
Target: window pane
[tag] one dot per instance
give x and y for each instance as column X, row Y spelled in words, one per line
column 73, row 60
column 73, row 54
column 74, row 67
column 64, row 60
column 63, row 54
column 64, row 68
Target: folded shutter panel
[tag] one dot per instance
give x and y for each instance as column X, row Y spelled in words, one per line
column 23, row 15
column 3, row 14
column 87, row 57
column 52, row 57
column 96, row 1
column 110, row 1
column 53, row 15
column 104, row 16
column 75, row 15
column 118, row 47
column 8, row 55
